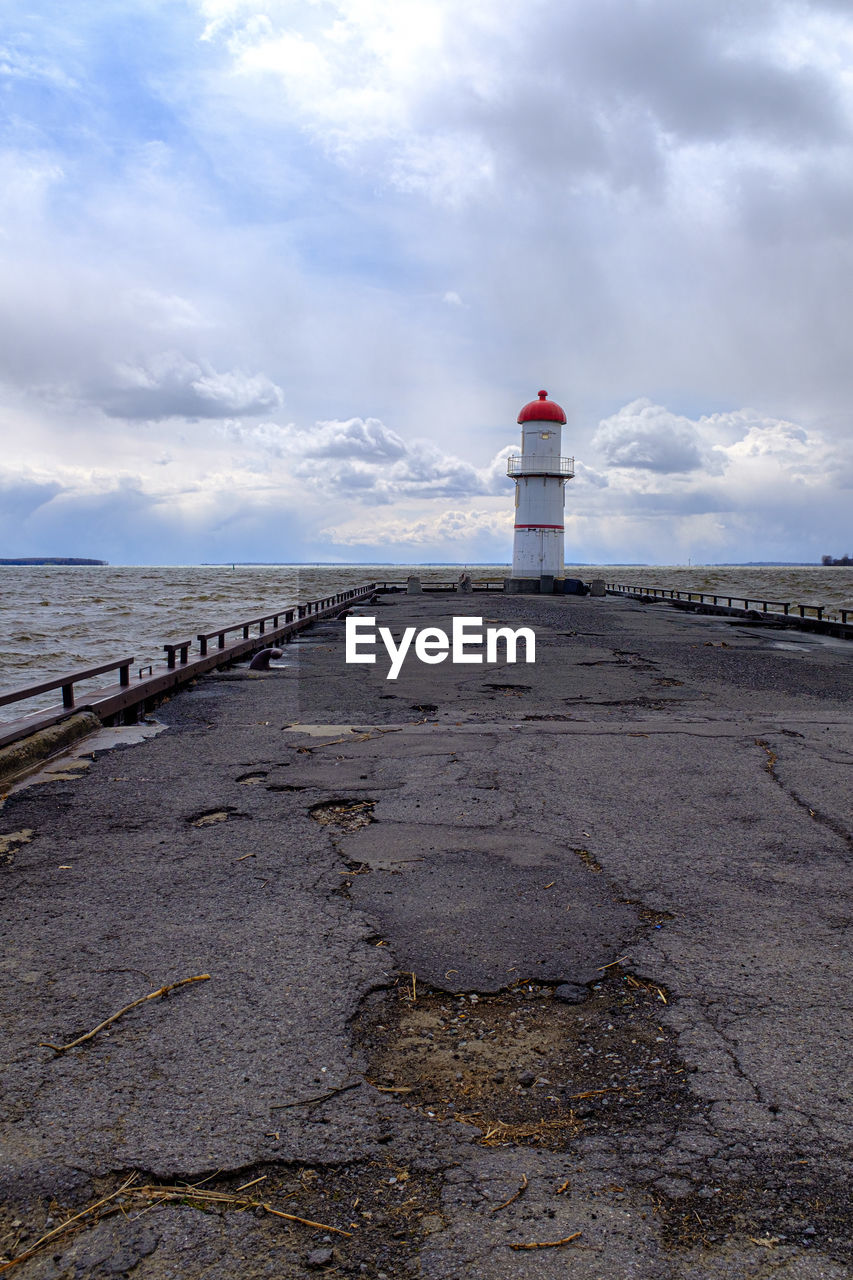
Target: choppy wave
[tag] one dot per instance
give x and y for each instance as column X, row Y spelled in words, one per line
column 55, row 619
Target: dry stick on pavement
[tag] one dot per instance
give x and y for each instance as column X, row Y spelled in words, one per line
column 160, row 1195
column 320, row 1097
column 514, row 1196
column 616, row 1088
column 161, row 991
column 154, row 1195
column 361, row 737
column 64, row 1226
column 305, row 1222
column 547, row 1244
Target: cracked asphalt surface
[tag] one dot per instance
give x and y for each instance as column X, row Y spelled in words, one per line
column 572, row 930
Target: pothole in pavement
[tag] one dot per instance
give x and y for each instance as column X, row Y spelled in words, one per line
column 344, row 814
column 209, row 817
column 526, row 1067
column 529, row 1070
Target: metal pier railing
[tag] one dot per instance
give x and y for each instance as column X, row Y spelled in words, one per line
column 124, row 699
column 806, row 616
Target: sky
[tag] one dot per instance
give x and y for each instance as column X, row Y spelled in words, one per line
column 277, row 276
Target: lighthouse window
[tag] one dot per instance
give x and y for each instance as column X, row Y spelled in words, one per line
column 544, row 435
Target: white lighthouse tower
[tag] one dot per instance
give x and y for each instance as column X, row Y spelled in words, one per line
column 540, row 473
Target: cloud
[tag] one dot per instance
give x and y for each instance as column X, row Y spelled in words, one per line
column 366, row 460
column 169, row 386
column 649, row 437
column 367, row 439
column 210, row 211
column 667, row 455
column 452, row 530
column 19, row 64
column 441, row 100
column 20, row 497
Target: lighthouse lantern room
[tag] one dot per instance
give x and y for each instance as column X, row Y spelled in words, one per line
column 540, row 473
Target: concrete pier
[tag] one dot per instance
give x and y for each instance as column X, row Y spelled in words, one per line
column 499, row 956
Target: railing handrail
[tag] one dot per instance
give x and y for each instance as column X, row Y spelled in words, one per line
column 286, row 612
column 540, row 463
column 67, row 682
column 122, row 665
column 704, row 597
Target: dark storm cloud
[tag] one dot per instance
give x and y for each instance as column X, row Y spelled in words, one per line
column 127, row 525
column 702, row 70
column 614, row 88
column 19, row 498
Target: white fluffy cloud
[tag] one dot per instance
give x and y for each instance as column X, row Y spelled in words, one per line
column 170, row 386
column 461, row 531
column 647, row 436
column 398, row 498
column 398, row 218
column 365, row 460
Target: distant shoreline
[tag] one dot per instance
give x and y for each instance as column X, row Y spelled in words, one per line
column 60, row 560
column 499, row 564
column 66, row 561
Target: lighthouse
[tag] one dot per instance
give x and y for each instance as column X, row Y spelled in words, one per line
column 540, row 473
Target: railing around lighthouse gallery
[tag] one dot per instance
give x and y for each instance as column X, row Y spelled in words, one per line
column 538, row 464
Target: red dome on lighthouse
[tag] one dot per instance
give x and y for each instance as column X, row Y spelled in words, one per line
column 542, row 410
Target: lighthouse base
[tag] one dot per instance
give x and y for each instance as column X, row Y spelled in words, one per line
column 546, row 584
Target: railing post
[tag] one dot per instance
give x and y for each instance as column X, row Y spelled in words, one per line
column 124, row 675
column 68, row 695
column 202, row 646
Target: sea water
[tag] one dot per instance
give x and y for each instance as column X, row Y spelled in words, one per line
column 58, row 619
